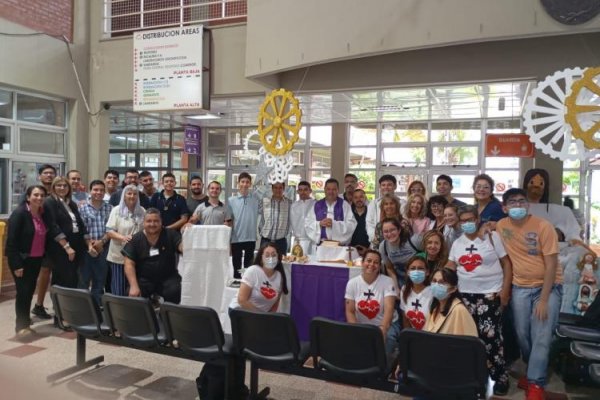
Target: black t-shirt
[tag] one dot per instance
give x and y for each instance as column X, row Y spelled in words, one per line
column 360, row 237
column 154, row 263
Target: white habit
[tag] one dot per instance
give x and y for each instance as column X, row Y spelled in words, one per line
column 298, row 213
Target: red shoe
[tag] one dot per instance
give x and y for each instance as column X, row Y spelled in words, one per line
column 535, row 392
column 523, row 383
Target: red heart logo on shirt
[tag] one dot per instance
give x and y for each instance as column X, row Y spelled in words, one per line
column 416, row 319
column 369, row 308
column 470, row 261
column 268, row 292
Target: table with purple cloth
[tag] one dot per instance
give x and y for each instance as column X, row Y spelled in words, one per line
column 316, row 290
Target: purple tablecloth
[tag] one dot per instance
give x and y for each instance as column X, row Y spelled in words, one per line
column 317, row 291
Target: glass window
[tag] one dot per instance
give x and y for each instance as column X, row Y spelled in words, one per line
column 6, row 104
column 178, row 140
column 40, row 110
column 121, row 160
column 404, row 156
column 456, row 131
column 367, row 181
column 504, row 180
column 363, row 135
column 179, row 159
column 362, row 157
column 124, row 141
column 154, row 160
column 5, row 142
column 320, row 157
column 317, row 183
column 154, row 140
column 244, row 157
column 404, row 133
column 502, row 162
column 320, row 136
column 218, row 175
column 455, row 155
column 36, row 141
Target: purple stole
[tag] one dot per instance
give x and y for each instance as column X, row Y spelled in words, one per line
column 321, row 213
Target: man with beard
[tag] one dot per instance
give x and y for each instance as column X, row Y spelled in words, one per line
column 350, row 184
column 360, row 239
column 195, row 194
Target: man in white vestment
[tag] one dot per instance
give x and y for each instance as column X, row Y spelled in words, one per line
column 298, row 213
column 332, row 218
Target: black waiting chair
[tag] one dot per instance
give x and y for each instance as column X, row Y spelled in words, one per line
column 134, row 320
column 269, row 340
column 196, row 331
column 77, row 308
column 351, row 353
column 438, row 366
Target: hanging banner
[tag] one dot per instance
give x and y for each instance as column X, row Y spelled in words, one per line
column 191, row 143
column 167, row 69
column 508, row 145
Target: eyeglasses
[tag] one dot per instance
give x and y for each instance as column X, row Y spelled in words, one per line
column 516, row 202
column 467, row 220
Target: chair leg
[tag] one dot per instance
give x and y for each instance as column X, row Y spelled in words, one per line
column 253, row 380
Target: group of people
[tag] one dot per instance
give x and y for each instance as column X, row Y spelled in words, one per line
column 435, row 264
column 428, row 262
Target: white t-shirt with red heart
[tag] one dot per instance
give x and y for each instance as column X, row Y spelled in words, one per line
column 478, row 263
column 369, row 299
column 416, row 308
column 265, row 290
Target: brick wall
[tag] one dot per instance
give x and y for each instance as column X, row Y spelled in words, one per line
column 54, row 17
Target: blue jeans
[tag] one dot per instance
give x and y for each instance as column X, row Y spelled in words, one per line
column 94, row 269
column 392, row 339
column 535, row 336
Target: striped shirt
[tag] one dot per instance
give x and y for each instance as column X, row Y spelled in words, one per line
column 274, row 218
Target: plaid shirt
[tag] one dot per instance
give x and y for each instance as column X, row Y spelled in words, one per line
column 274, row 218
column 95, row 219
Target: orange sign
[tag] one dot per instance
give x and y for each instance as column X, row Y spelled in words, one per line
column 508, row 145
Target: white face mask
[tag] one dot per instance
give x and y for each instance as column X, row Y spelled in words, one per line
column 269, row 262
column 588, row 267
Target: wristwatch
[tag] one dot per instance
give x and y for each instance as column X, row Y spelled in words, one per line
column 67, row 246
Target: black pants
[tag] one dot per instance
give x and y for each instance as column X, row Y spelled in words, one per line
column 280, row 244
column 236, row 256
column 64, row 272
column 169, row 288
column 25, row 286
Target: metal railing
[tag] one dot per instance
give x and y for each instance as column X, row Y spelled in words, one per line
column 123, row 17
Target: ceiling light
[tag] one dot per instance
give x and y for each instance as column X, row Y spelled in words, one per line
column 383, row 109
column 204, row 116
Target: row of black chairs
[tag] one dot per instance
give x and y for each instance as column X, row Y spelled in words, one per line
column 432, row 366
column 577, row 348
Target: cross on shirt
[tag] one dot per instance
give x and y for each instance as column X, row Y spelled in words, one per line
column 416, row 304
column 369, row 294
column 471, row 249
column 267, row 284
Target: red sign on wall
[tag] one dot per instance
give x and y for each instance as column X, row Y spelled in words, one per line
column 508, row 145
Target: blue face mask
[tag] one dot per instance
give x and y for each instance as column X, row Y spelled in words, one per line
column 439, row 290
column 517, row 213
column 417, row 276
column 469, row 227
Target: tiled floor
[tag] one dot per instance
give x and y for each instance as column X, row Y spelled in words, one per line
column 133, row 374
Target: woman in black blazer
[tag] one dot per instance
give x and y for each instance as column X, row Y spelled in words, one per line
column 25, row 246
column 68, row 239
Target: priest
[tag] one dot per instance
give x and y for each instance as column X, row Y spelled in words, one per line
column 332, row 218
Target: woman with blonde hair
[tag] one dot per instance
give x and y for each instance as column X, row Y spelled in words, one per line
column 390, row 208
column 415, row 212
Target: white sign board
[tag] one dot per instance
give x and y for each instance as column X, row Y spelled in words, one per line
column 167, row 69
